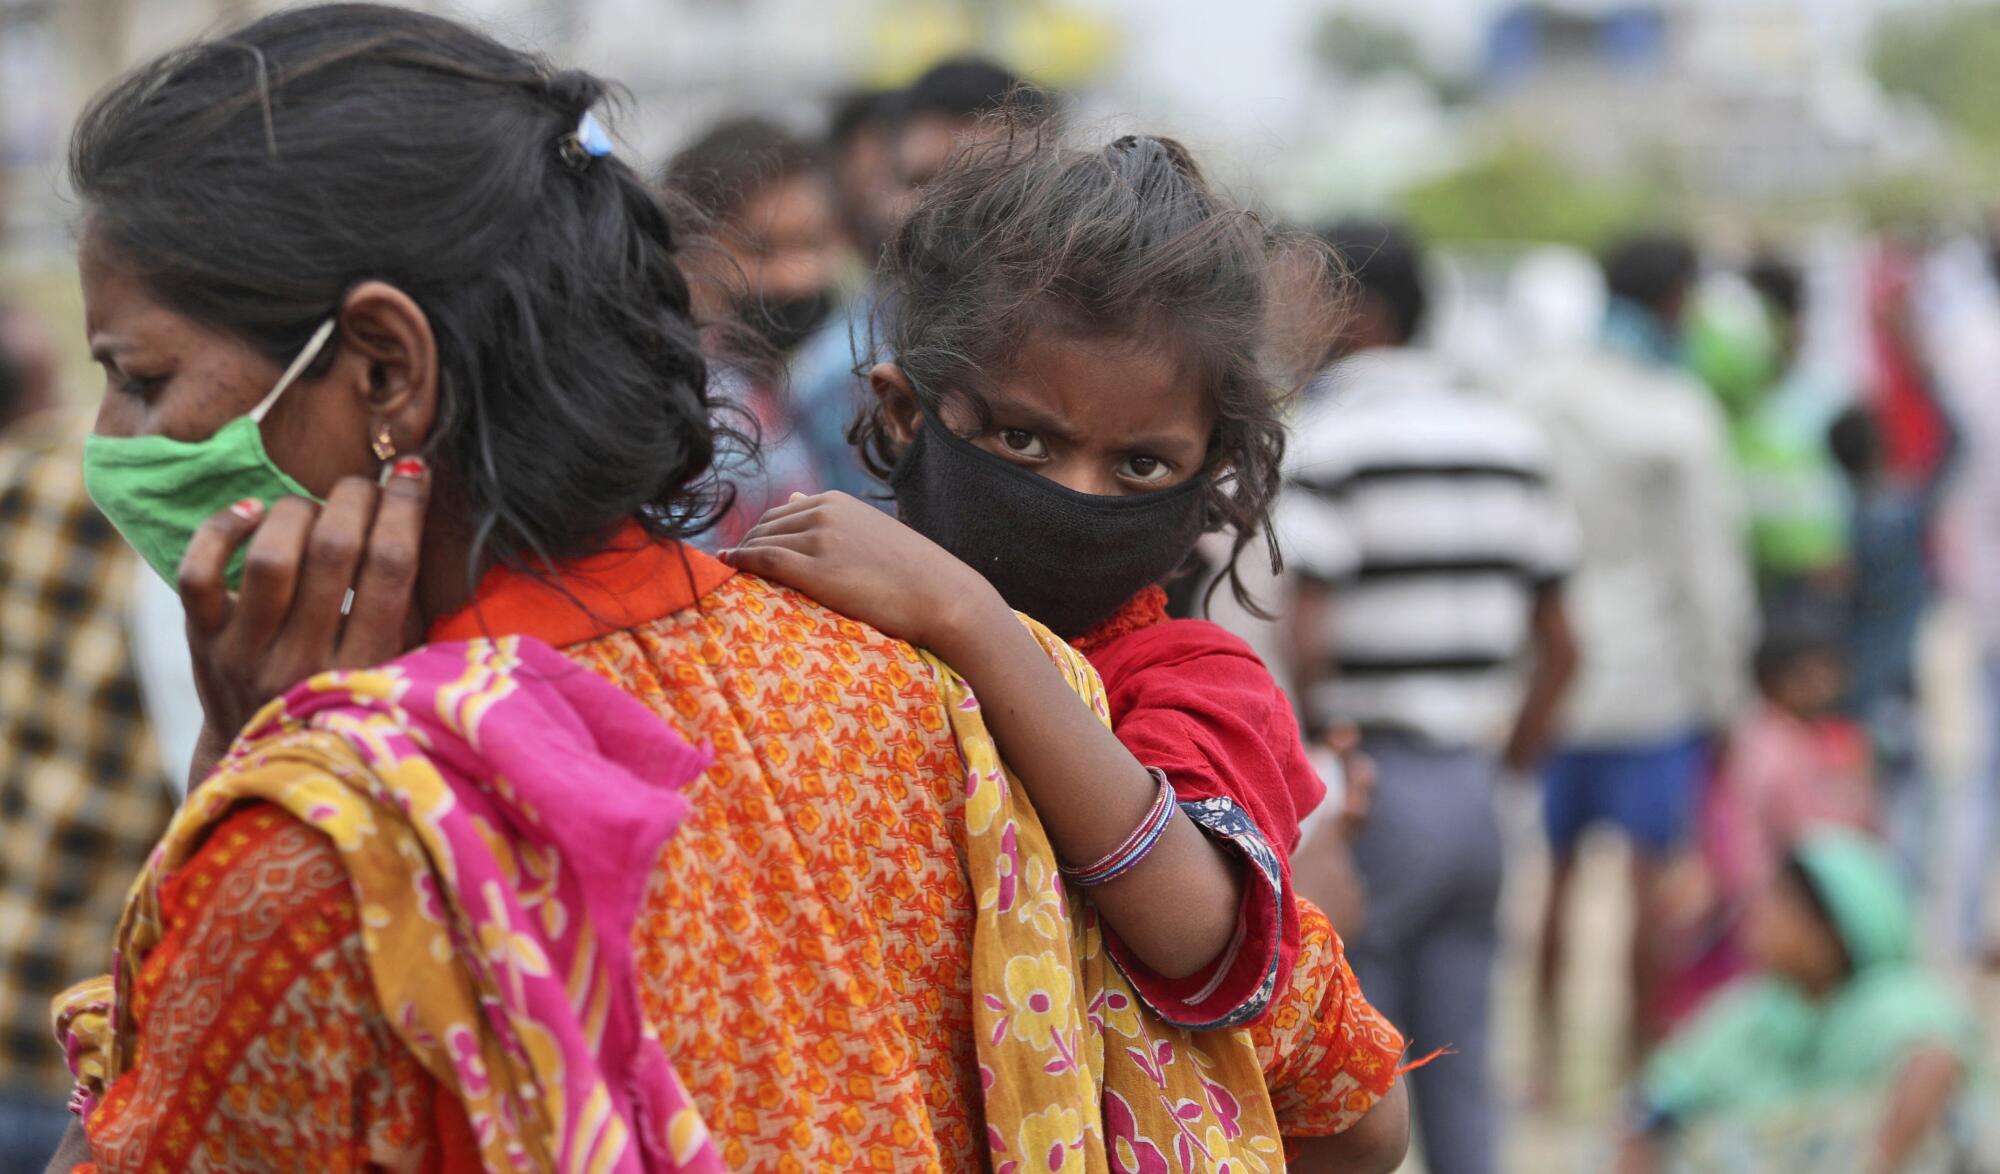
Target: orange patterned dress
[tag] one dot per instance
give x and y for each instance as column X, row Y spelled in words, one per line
column 805, row 945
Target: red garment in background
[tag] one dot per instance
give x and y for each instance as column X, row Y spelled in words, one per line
column 1914, row 432
column 1190, row 699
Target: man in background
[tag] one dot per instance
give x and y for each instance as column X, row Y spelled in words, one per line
column 861, row 153
column 82, row 797
column 1663, row 602
column 921, row 127
column 769, row 204
column 1428, row 554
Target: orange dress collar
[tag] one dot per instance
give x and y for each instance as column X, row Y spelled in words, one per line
column 634, row 580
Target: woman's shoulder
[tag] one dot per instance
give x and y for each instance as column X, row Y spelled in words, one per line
column 257, row 860
column 754, row 608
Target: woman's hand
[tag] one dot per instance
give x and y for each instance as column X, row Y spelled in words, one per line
column 287, row 623
column 868, row 566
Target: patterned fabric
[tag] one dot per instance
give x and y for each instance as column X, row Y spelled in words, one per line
column 1270, row 897
column 255, row 1030
column 1061, row 1031
column 808, row 948
column 1329, row 1056
column 804, row 946
column 465, row 888
column 82, row 797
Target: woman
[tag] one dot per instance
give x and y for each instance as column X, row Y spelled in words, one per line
column 854, row 949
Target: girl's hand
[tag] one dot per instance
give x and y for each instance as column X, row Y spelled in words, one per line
column 286, row 623
column 868, row 566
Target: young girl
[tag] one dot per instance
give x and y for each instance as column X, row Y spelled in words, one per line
column 1081, row 387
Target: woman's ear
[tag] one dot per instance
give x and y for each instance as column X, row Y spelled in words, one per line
column 901, row 416
column 385, row 329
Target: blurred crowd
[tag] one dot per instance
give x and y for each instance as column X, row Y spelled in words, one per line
column 1662, row 563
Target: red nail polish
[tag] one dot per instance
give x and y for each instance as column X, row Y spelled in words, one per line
column 409, row 467
column 249, row 509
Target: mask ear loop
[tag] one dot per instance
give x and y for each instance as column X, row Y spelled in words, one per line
column 305, row 359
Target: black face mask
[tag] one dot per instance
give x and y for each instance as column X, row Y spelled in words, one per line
column 785, row 322
column 1068, row 559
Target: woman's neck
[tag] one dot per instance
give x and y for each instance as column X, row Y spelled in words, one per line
column 446, row 577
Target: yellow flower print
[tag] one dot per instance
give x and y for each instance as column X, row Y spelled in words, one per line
column 1051, row 1140
column 1038, row 1000
column 1116, row 1012
column 513, row 953
column 1043, row 909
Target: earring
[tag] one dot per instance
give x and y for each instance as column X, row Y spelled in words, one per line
column 383, row 444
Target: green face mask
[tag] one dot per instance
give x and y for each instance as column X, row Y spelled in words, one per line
column 158, row 491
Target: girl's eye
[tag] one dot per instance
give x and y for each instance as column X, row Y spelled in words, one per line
column 1023, row 443
column 1145, row 470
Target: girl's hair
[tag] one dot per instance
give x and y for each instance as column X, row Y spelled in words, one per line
column 1022, row 233
column 251, row 180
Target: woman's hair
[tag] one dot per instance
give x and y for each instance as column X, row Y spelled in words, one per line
column 1023, row 234
column 251, row 180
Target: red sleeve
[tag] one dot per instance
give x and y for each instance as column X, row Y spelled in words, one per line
column 1195, row 702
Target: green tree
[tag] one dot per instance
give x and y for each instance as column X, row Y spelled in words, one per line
column 1349, row 45
column 1950, row 61
column 1522, row 192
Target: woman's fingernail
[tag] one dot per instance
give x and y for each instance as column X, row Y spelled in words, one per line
column 410, row 467
column 249, row 509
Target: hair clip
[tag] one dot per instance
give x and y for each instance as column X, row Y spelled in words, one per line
column 588, row 141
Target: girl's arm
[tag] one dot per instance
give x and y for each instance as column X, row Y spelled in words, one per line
column 1178, row 909
column 1376, row 1144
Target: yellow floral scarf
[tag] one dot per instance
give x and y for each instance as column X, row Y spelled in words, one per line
column 1078, row 1073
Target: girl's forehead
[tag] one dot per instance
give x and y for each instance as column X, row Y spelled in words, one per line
column 1106, row 384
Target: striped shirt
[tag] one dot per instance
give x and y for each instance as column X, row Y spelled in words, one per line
column 1425, row 505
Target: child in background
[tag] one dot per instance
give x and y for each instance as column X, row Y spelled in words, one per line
column 1081, row 386
column 1889, row 593
column 1796, row 761
column 1793, row 764
column 1837, row 1053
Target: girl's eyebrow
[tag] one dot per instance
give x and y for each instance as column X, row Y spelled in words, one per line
column 1159, row 442
column 1029, row 416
